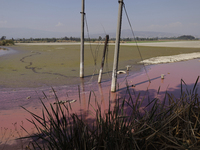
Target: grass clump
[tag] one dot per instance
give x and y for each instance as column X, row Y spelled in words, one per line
column 172, row 123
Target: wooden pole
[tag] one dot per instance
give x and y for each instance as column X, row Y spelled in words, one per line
column 103, row 58
column 117, row 45
column 82, row 41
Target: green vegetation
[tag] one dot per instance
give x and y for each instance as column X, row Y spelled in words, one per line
column 172, row 123
column 186, row 37
column 183, row 37
column 77, row 39
column 4, row 42
column 46, row 40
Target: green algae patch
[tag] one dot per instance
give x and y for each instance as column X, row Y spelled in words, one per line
column 53, row 65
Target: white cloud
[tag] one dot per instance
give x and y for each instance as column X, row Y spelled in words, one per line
column 59, row 24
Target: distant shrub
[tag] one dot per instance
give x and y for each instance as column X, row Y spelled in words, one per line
column 6, row 42
column 186, row 37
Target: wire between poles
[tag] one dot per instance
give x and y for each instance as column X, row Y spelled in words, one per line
column 94, row 55
column 136, row 42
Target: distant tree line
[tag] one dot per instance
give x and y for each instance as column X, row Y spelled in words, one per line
column 75, row 39
column 31, row 40
column 183, row 37
column 146, row 39
column 4, row 42
column 63, row 39
column 186, row 37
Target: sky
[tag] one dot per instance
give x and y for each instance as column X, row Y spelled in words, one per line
column 173, row 16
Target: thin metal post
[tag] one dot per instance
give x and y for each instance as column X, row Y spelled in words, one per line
column 82, row 41
column 117, row 45
column 103, row 58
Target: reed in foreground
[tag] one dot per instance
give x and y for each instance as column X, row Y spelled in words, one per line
column 169, row 124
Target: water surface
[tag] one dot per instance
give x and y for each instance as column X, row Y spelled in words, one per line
column 4, row 51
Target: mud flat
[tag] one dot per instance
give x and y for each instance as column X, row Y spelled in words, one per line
column 54, row 64
column 183, row 44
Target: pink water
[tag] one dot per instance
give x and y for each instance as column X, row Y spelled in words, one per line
column 12, row 115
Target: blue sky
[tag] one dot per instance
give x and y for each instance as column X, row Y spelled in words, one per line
column 174, row 16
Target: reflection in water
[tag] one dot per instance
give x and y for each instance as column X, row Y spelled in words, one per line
column 162, row 80
column 4, row 51
column 1, row 48
column 102, row 97
column 83, row 99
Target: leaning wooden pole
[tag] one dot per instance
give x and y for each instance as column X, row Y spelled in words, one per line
column 117, row 45
column 82, row 41
column 103, row 58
